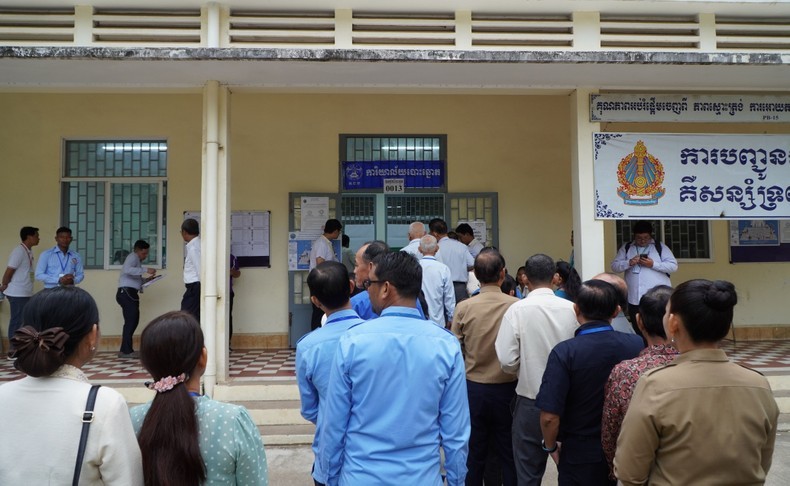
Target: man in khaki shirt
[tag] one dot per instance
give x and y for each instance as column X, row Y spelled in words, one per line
column 476, row 325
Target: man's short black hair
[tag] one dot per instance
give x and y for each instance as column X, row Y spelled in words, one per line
column 652, row 307
column 540, row 269
column 345, row 241
column 27, row 231
column 597, row 300
column 464, row 229
column 63, row 229
column 438, row 226
column 508, row 285
column 191, row 227
column 330, row 284
column 488, row 265
column 332, row 225
column 642, row 226
column 141, row 245
column 402, row 271
column 374, row 249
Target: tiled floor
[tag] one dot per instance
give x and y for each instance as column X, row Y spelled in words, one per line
column 278, row 364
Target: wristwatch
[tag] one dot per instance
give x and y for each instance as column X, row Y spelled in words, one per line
column 543, row 446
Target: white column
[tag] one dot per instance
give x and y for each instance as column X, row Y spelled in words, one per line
column 344, row 20
column 463, row 29
column 212, row 12
column 588, row 233
column 707, row 32
column 213, row 224
column 586, row 31
column 83, row 25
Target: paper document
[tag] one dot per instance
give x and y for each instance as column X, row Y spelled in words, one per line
column 153, row 280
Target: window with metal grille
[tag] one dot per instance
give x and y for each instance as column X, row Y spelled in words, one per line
column 113, row 194
column 688, row 239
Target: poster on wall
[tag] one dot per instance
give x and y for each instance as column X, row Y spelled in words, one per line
column 691, row 176
column 754, row 232
column 299, row 246
column 249, row 236
column 315, row 212
column 478, row 228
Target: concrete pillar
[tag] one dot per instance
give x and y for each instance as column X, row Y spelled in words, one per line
column 586, row 31
column 83, row 25
column 463, row 29
column 214, row 233
column 344, row 23
column 588, row 232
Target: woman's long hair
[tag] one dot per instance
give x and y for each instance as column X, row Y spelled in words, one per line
column 171, row 345
column 570, row 279
column 54, row 323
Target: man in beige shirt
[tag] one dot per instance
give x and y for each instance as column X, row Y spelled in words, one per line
column 476, row 324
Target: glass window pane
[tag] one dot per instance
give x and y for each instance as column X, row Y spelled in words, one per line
column 131, row 220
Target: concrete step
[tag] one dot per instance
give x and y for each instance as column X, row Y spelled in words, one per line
column 275, row 406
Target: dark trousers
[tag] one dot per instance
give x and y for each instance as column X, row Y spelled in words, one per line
column 592, row 474
column 527, row 449
column 315, row 318
column 460, row 291
column 490, row 414
column 129, row 301
column 17, row 306
column 190, row 302
column 230, row 319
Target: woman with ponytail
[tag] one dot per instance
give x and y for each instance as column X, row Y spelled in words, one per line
column 43, row 412
column 701, row 419
column 185, row 437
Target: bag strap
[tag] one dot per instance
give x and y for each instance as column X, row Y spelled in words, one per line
column 87, row 418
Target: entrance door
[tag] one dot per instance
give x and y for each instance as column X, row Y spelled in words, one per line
column 299, row 307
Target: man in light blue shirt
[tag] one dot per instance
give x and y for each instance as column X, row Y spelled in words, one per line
column 59, row 265
column 330, row 288
column 364, row 260
column 397, row 392
column 437, row 284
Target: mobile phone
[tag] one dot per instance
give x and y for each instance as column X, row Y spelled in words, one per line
column 643, row 257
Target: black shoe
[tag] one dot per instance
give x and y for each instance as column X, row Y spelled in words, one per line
column 132, row 355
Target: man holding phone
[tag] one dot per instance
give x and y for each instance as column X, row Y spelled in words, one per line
column 645, row 263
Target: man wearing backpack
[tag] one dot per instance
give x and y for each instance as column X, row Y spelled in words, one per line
column 645, row 263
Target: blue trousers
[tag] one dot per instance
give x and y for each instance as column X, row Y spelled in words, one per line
column 489, row 411
column 17, row 306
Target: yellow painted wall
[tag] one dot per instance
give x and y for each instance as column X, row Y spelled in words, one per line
column 517, row 146
column 32, row 130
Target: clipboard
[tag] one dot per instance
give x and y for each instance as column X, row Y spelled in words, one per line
column 153, row 280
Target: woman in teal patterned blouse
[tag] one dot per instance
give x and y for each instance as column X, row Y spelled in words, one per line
column 187, row 438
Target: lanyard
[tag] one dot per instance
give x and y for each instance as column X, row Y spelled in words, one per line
column 595, row 329
column 29, row 253
column 63, row 264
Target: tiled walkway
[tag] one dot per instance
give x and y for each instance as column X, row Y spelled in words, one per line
column 278, row 364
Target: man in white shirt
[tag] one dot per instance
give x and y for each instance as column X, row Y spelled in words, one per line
column 190, row 302
column 467, row 236
column 416, row 232
column 321, row 252
column 529, row 331
column 455, row 255
column 16, row 282
column 437, row 284
column 645, row 263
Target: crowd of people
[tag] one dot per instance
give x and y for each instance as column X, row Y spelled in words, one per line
column 410, row 377
column 416, row 379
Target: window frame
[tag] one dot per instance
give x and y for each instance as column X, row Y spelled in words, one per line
column 660, row 230
column 108, row 181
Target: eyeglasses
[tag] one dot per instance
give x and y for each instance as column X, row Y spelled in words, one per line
column 367, row 283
